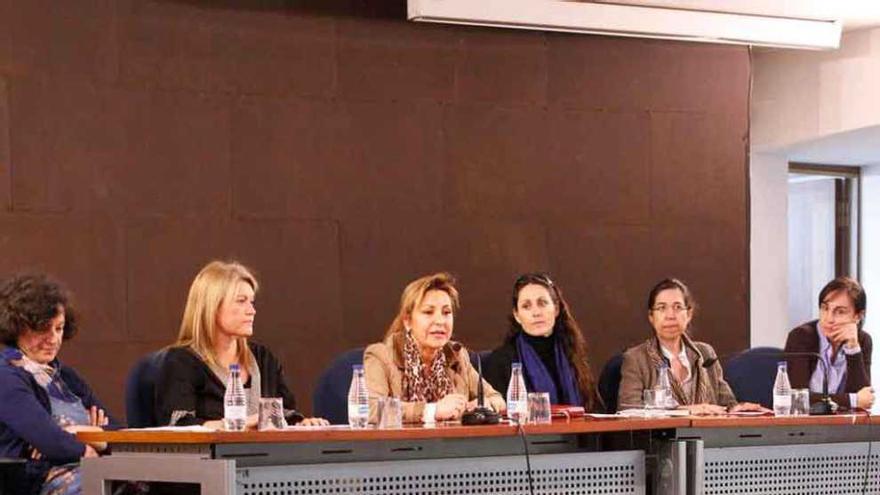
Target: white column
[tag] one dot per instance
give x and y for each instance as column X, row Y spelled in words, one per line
column 769, row 249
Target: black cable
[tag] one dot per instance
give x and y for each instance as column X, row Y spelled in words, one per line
column 868, row 460
column 522, row 435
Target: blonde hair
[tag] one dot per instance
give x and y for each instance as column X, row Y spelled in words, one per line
column 214, row 284
column 415, row 292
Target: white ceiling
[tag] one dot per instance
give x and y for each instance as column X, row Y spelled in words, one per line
column 857, row 147
column 858, row 14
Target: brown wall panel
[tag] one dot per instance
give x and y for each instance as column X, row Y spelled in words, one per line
column 5, row 36
column 341, row 152
column 5, row 155
column 176, row 46
column 86, row 251
column 696, row 149
column 509, row 68
column 64, row 38
column 390, row 60
column 86, row 148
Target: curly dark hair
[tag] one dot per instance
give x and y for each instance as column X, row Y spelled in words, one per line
column 30, row 302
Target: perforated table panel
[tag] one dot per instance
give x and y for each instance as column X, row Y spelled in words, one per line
column 817, row 469
column 577, row 473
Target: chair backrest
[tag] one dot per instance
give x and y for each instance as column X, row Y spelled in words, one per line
column 609, row 382
column 11, row 475
column 751, row 374
column 330, row 397
column 483, row 355
column 140, row 390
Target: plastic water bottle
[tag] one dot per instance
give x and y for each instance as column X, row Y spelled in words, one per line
column 358, row 399
column 782, row 391
column 234, row 401
column 665, row 399
column 517, row 395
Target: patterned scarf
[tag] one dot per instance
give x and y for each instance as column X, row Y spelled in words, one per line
column 701, row 392
column 416, row 386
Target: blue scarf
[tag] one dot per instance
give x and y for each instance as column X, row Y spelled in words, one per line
column 538, row 378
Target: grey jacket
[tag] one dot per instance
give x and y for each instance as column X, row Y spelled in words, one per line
column 639, row 372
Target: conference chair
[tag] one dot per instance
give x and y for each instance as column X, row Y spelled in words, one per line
column 330, row 397
column 9, row 468
column 140, row 390
column 751, row 374
column 609, row 382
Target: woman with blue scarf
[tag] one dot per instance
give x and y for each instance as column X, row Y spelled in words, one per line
column 546, row 339
column 42, row 402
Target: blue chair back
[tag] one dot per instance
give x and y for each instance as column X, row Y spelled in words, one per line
column 330, row 397
column 751, row 374
column 140, row 391
column 609, row 382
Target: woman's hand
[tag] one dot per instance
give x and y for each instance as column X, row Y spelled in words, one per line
column 74, row 429
column 91, row 452
column 845, row 334
column 749, row 406
column 214, row 424
column 314, row 422
column 251, row 422
column 450, row 407
column 705, row 409
column 97, row 417
column 865, row 397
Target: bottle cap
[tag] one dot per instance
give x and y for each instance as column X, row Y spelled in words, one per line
column 357, row 367
column 515, row 364
column 234, row 367
column 782, row 363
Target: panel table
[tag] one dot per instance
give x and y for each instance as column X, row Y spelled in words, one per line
column 565, row 457
column 804, row 455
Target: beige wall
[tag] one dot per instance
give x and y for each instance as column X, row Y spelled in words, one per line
column 799, row 98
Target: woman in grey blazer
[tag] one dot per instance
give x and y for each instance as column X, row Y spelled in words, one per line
column 695, row 375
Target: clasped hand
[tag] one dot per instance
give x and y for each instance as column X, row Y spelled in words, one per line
column 844, row 333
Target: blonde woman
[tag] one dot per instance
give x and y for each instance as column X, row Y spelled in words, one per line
column 419, row 363
column 217, row 322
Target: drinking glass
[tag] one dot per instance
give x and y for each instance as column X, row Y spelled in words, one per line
column 539, row 408
column 390, row 412
column 654, row 398
column 800, row 402
column 271, row 414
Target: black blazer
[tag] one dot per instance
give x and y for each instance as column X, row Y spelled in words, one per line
column 805, row 338
column 186, row 383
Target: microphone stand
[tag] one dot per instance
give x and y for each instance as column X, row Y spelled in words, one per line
column 480, row 415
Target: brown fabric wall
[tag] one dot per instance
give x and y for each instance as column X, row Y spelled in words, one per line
column 341, row 152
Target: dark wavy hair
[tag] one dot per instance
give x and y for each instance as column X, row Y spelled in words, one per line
column 567, row 330
column 30, row 302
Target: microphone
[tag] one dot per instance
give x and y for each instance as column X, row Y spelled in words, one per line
column 480, row 415
column 825, row 406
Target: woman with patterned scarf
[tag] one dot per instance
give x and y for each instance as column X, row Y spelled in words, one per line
column 42, row 402
column 695, row 373
column 419, row 364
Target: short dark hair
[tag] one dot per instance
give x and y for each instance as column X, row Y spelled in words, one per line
column 30, row 302
column 851, row 287
column 671, row 283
